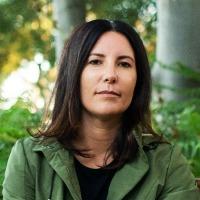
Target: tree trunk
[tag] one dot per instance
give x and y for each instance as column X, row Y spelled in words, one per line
column 67, row 14
column 178, row 40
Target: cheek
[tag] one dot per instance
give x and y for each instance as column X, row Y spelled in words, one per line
column 130, row 83
column 87, row 84
column 129, row 87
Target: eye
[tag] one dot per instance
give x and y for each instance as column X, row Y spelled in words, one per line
column 124, row 64
column 95, row 62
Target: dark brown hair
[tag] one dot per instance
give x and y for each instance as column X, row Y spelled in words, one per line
column 66, row 114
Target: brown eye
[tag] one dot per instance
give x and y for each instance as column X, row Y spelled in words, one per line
column 95, row 62
column 124, row 64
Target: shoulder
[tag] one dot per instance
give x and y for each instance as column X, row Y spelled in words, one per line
column 25, row 164
column 18, row 167
column 160, row 148
column 164, row 154
column 23, row 149
column 171, row 168
column 34, row 144
column 27, row 151
column 25, row 144
column 21, row 153
column 20, row 149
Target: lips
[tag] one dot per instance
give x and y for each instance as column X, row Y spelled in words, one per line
column 109, row 92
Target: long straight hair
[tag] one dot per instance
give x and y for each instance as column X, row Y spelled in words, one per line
column 67, row 108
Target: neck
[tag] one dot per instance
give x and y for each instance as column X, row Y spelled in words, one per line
column 97, row 134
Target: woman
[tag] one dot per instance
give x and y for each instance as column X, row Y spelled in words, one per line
column 99, row 143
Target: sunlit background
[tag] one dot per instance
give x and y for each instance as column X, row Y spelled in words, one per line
column 32, row 34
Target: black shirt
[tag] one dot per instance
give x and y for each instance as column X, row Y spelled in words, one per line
column 94, row 183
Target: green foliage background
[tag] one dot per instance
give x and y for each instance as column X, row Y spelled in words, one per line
column 178, row 120
column 14, row 124
column 27, row 28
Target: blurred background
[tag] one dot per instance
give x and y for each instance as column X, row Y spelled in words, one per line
column 32, row 34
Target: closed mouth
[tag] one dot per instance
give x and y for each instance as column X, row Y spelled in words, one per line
column 108, row 92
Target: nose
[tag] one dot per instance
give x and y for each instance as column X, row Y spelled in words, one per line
column 111, row 79
column 110, row 75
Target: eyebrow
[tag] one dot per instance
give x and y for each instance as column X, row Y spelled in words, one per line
column 124, row 57
column 120, row 57
column 97, row 54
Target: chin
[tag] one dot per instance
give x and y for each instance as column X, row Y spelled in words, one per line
column 106, row 111
column 109, row 113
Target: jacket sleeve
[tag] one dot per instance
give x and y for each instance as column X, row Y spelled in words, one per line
column 180, row 183
column 18, row 182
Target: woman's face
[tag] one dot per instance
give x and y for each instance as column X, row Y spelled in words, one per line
column 109, row 77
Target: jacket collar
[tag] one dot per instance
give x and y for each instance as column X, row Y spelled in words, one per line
column 62, row 162
column 130, row 174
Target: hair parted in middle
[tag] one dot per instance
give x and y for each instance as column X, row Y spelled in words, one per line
column 67, row 108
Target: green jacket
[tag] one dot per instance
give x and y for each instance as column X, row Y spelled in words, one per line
column 45, row 170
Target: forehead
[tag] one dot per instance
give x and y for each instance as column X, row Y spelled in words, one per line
column 113, row 42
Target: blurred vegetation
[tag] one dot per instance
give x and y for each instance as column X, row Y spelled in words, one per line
column 14, row 124
column 178, row 120
column 27, row 28
column 16, row 120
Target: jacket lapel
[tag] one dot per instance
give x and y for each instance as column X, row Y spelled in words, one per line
column 63, row 164
column 128, row 177
column 122, row 183
column 130, row 174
